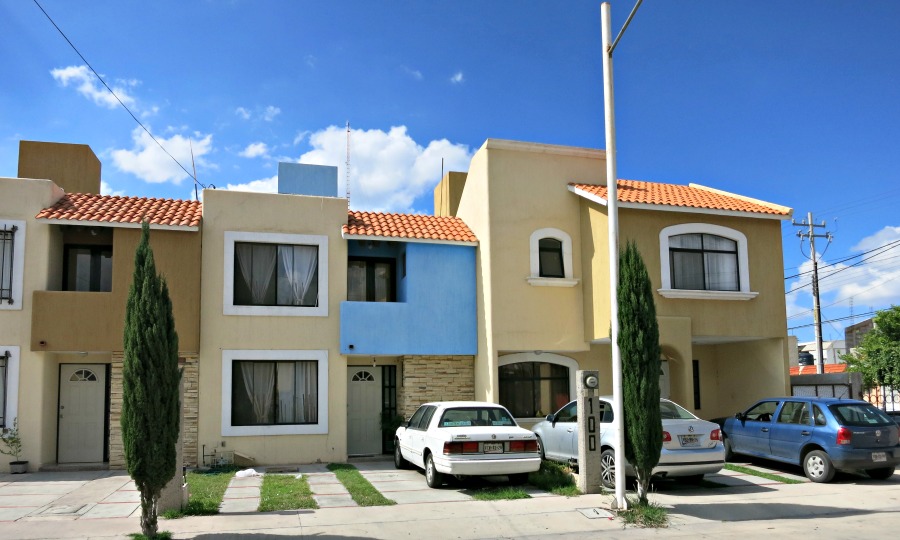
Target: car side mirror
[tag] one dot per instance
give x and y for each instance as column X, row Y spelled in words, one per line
column 739, row 416
column 552, row 419
column 404, row 423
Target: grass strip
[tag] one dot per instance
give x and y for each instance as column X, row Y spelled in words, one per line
column 502, row 493
column 285, row 492
column 362, row 492
column 761, row 474
column 647, row 515
column 555, row 478
column 206, row 488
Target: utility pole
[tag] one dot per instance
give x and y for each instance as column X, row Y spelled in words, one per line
column 817, row 309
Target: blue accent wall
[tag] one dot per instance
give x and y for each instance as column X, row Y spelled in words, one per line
column 435, row 309
column 306, row 179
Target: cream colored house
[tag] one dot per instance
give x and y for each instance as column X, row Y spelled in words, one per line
column 714, row 258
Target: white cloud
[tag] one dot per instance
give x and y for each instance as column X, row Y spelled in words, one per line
column 263, row 185
column 300, row 136
column 310, row 60
column 106, row 189
column 257, row 149
column 458, row 78
column 388, row 170
column 147, row 161
column 243, row 113
column 414, row 73
column 84, row 81
column 270, row 113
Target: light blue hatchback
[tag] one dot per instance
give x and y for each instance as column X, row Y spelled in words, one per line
column 820, row 434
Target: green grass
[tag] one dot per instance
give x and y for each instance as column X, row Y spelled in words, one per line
column 502, row 493
column 649, row 515
column 362, row 492
column 206, row 490
column 754, row 472
column 285, row 492
column 555, row 478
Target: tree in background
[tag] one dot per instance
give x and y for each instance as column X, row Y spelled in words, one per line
column 150, row 384
column 878, row 356
column 639, row 349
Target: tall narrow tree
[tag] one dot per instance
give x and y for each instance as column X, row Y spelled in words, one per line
column 639, row 348
column 150, row 383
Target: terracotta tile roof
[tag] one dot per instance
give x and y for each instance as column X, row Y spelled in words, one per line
column 109, row 209
column 811, row 370
column 420, row 227
column 692, row 196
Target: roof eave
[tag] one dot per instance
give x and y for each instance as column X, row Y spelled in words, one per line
column 118, row 224
column 347, row 236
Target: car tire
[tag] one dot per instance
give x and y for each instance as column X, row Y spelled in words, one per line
column 433, row 477
column 881, row 473
column 608, row 469
column 518, row 479
column 540, row 443
column 817, row 466
column 729, row 451
column 399, row 461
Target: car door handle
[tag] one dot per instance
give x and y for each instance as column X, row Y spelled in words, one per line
column 765, row 430
column 804, row 433
column 570, row 430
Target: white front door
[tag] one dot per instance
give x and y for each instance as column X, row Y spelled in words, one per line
column 82, row 400
column 363, row 410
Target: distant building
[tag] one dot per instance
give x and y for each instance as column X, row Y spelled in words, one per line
column 854, row 333
column 832, row 350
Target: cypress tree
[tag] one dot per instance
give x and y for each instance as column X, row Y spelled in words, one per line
column 639, row 348
column 150, row 383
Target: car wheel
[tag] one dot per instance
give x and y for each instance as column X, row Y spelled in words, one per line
column 729, row 451
column 541, row 448
column 518, row 479
column 399, row 461
column 882, row 473
column 433, row 478
column 818, row 467
column 608, row 469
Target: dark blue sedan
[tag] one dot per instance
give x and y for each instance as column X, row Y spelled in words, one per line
column 820, row 434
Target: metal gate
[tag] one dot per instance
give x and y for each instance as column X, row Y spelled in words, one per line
column 839, row 385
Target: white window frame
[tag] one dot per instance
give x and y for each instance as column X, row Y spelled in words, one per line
column 18, row 269
column 12, row 384
column 535, row 278
column 705, row 228
column 321, row 241
column 548, row 358
column 228, row 358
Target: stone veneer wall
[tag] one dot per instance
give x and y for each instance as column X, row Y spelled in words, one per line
column 191, row 382
column 434, row 378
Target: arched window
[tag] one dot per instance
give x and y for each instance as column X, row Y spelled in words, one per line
column 704, row 261
column 534, row 385
column 551, row 259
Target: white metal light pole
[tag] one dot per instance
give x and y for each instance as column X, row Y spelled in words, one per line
column 612, row 207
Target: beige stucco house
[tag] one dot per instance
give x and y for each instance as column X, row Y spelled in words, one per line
column 714, row 258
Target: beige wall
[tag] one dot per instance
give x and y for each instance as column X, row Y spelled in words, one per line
column 73, row 167
column 271, row 213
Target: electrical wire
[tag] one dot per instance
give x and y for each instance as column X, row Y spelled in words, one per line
column 836, row 320
column 110, row 90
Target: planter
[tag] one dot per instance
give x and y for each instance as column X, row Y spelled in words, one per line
column 18, row 467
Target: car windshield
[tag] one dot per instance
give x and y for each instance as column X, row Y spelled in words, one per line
column 673, row 411
column 859, row 414
column 476, row 416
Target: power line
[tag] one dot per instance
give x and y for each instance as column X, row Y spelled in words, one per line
column 94, row 71
column 836, row 320
column 845, row 259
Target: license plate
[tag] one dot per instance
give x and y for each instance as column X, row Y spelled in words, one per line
column 879, row 456
column 689, row 440
column 493, row 448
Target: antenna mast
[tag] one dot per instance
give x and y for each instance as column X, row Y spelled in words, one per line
column 194, row 166
column 347, row 168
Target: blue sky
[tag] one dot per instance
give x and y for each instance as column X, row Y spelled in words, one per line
column 792, row 102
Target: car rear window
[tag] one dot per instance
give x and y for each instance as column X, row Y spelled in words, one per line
column 476, row 416
column 669, row 411
column 859, row 414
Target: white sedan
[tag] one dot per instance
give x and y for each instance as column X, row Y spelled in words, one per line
column 466, row 438
column 691, row 447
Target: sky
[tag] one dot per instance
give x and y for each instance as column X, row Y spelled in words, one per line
column 795, row 103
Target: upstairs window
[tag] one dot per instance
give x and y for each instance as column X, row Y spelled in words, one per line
column 551, row 258
column 87, row 268
column 550, row 254
column 7, row 254
column 370, row 280
column 275, row 275
column 704, row 262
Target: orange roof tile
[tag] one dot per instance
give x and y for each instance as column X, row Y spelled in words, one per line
column 109, row 209
column 692, row 196
column 811, row 370
column 412, row 226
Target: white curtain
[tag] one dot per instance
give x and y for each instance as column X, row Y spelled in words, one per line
column 257, row 261
column 721, row 272
column 295, row 273
column 259, row 382
column 306, row 388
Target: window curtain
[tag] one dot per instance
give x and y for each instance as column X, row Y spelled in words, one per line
column 259, row 382
column 295, row 274
column 356, row 281
column 721, row 271
column 307, row 395
column 257, row 261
